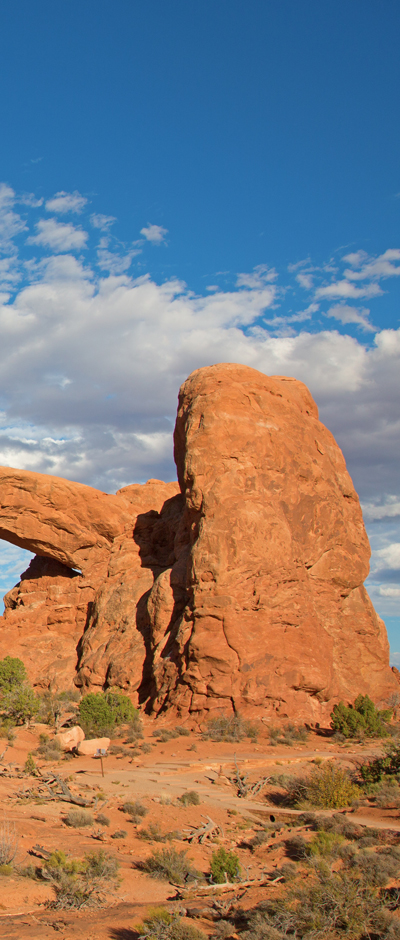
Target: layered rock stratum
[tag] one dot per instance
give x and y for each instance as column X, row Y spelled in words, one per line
column 240, row 587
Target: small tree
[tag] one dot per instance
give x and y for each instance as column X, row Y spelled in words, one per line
column 12, row 673
column 224, row 865
column 20, row 704
column 362, row 718
column 99, row 712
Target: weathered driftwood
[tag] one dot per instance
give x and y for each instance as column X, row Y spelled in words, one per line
column 57, row 789
column 206, row 831
column 204, row 890
column 40, row 852
column 243, row 788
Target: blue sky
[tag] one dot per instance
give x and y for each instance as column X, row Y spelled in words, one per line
column 186, row 183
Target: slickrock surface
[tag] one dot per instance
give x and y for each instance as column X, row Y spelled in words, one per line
column 241, row 589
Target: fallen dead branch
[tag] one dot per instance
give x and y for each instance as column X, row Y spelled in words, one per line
column 243, row 788
column 205, row 831
column 205, row 890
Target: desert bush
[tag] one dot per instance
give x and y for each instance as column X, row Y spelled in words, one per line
column 329, row 905
column 361, row 719
column 119, row 834
column 49, row 749
column 289, row 735
column 135, row 810
column 78, row 818
column 330, row 787
column 164, row 734
column 8, row 842
column 102, row 820
column 184, row 732
column 224, row 866
column 382, row 767
column 170, row 865
column 161, row 925
column 78, row 882
column 229, row 728
column 12, row 674
column 29, row 765
column 146, row 747
column 190, row 798
column 388, row 795
column 154, row 833
column 324, row 844
column 19, row 704
column 100, row 713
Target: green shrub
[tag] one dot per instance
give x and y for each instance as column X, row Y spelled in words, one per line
column 29, row 766
column 78, row 818
column 190, row 798
column 12, row 673
column 330, row 787
column 100, row 713
column 360, row 719
column 78, row 882
column 161, row 925
column 170, row 865
column 224, row 866
column 229, row 728
column 164, row 734
column 381, row 767
column 19, row 704
column 49, row 749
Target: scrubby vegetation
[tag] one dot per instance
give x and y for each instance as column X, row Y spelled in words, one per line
column 224, row 866
column 78, row 818
column 79, row 883
column 160, row 924
column 360, row 720
column 136, row 810
column 229, row 728
column 100, row 713
column 327, row 787
column 170, row 865
column 289, row 735
column 190, row 798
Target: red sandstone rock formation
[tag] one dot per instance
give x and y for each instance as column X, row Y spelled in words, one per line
column 243, row 590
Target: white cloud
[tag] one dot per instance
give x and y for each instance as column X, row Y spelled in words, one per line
column 346, row 289
column 59, row 236
column 346, row 314
column 373, row 268
column 66, row 202
column 11, row 223
column 387, row 508
column 305, row 280
column 103, row 222
column 154, row 233
column 260, row 275
column 113, row 262
column 388, row 557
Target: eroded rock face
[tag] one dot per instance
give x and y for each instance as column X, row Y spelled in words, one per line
column 278, row 619
column 242, row 588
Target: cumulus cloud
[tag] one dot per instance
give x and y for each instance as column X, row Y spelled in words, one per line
column 11, row 223
column 154, row 233
column 103, row 222
column 58, row 236
column 346, row 314
column 305, row 280
column 64, row 202
column 380, row 267
column 346, row 289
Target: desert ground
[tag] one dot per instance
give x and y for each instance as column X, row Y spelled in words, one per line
column 158, row 773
